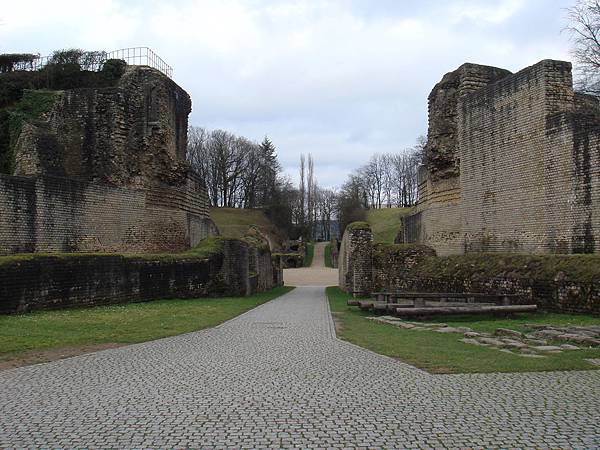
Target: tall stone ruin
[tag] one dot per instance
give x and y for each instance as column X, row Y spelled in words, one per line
column 104, row 170
column 512, row 164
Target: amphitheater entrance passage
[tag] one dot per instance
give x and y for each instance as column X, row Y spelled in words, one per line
column 315, row 275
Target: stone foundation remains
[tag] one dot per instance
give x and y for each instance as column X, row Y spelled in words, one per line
column 511, row 164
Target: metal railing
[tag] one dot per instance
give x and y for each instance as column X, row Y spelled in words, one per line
column 141, row 56
column 133, row 56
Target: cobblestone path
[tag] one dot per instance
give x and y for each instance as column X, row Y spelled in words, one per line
column 276, row 377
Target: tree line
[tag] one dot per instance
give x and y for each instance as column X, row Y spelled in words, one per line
column 240, row 173
column 388, row 180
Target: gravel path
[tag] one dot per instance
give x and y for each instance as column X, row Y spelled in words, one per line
column 319, row 256
column 315, row 275
column 276, row 376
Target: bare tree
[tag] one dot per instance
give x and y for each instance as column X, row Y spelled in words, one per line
column 237, row 171
column 388, row 179
column 302, row 195
column 327, row 200
column 311, row 196
column 584, row 28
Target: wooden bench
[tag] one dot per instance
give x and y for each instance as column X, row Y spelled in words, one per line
column 419, row 298
column 414, row 304
column 455, row 310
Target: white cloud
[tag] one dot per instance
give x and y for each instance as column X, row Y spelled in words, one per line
column 338, row 78
column 493, row 11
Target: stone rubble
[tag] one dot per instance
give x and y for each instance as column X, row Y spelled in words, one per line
column 544, row 340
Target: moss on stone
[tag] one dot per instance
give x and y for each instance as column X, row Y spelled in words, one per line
column 382, row 250
column 358, row 226
column 577, row 268
column 208, row 247
column 31, row 107
column 255, row 238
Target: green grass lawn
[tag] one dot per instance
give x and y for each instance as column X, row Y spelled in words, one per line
column 328, row 260
column 443, row 352
column 310, row 253
column 120, row 324
column 385, row 223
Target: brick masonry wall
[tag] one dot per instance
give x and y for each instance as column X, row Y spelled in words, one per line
column 526, row 177
column 48, row 282
column 517, row 167
column 104, row 170
column 134, row 134
column 53, row 214
column 437, row 220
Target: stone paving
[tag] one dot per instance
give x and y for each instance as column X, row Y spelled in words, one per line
column 276, row 377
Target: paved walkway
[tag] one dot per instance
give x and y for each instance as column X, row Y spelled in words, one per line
column 319, row 256
column 315, row 275
column 276, row 376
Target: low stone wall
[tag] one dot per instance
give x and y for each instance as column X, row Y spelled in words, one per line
column 355, row 259
column 415, row 268
column 37, row 282
column 560, row 283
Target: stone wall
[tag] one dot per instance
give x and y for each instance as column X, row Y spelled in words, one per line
column 134, row 134
column 524, row 174
column 554, row 282
column 52, row 214
column 525, row 177
column 414, row 268
column 355, row 259
column 105, row 170
column 47, row 282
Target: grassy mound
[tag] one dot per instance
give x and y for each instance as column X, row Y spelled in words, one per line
column 235, row 223
column 386, row 223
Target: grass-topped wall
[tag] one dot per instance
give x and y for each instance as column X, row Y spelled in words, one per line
column 216, row 267
column 569, row 283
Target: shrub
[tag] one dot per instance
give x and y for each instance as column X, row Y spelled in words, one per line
column 9, row 62
column 113, row 69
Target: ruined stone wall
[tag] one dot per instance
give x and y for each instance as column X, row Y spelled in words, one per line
column 553, row 282
column 105, row 170
column 264, row 269
column 437, row 220
column 510, row 164
column 442, row 158
column 48, row 282
column 134, row 134
column 355, row 259
column 52, row 214
column 529, row 176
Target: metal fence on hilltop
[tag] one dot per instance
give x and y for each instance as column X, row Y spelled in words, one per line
column 133, row 56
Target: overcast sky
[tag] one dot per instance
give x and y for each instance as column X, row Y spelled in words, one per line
column 341, row 79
